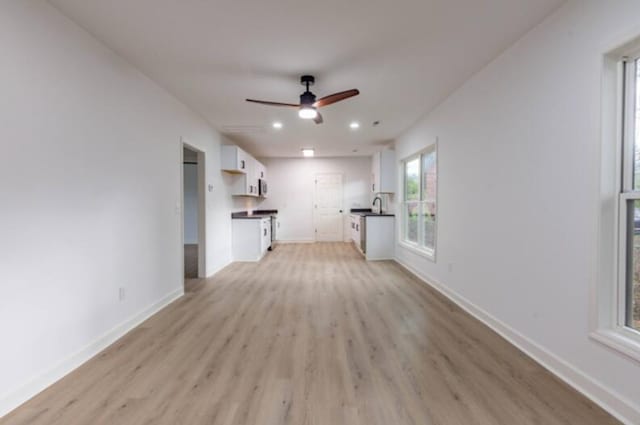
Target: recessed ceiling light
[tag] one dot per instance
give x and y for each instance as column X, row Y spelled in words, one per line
column 308, row 152
column 354, row 125
column 277, row 125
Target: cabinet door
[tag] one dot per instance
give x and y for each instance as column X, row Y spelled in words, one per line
column 249, row 180
column 383, row 172
column 242, row 159
column 234, row 159
column 375, row 173
column 261, row 171
column 352, row 228
column 252, row 179
column 265, row 236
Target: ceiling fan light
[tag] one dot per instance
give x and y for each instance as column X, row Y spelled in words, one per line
column 307, row 112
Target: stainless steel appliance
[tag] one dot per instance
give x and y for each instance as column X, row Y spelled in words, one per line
column 262, row 187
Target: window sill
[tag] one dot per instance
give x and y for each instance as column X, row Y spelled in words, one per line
column 624, row 341
column 429, row 254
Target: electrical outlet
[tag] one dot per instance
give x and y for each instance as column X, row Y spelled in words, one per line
column 121, row 294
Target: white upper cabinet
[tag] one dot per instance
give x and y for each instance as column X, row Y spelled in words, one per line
column 234, row 159
column 246, row 184
column 249, row 170
column 261, row 171
column 383, row 172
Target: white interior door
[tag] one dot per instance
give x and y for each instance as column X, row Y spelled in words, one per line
column 328, row 208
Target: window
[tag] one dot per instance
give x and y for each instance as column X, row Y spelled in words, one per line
column 615, row 315
column 419, row 201
column 629, row 198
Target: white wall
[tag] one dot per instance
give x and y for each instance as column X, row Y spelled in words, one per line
column 190, row 194
column 90, row 182
column 518, row 194
column 292, row 190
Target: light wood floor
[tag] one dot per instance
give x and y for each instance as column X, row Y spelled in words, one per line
column 311, row 335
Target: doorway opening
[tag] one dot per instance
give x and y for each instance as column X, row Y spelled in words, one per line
column 193, row 212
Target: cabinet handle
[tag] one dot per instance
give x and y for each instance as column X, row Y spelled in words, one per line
column 265, row 232
column 242, row 164
column 357, row 227
column 373, row 187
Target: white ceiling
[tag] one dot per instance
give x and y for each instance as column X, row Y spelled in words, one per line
column 405, row 57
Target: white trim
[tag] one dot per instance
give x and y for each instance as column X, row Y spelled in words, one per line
column 11, row 401
column 416, row 249
column 607, row 313
column 623, row 409
column 619, row 339
column 202, row 206
column 293, row 241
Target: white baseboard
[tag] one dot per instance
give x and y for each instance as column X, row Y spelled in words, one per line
column 278, row 242
column 623, row 409
column 10, row 401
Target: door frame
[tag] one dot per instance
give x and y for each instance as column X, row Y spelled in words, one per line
column 202, row 231
column 315, row 205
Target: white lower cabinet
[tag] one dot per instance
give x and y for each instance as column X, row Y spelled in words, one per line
column 379, row 243
column 251, row 238
column 355, row 229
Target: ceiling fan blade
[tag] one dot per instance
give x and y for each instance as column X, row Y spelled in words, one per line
column 265, row 102
column 336, row 97
column 318, row 119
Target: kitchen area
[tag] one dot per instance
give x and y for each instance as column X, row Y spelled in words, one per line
column 281, row 206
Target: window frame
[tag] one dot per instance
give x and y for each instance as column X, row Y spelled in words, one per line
column 628, row 192
column 609, row 307
column 418, row 247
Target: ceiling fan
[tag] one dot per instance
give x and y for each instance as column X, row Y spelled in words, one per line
column 308, row 106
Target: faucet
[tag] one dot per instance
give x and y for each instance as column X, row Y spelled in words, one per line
column 377, row 198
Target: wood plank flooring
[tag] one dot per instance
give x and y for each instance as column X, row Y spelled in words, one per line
column 312, row 335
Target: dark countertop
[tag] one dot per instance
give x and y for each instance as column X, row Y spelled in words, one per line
column 256, row 215
column 367, row 212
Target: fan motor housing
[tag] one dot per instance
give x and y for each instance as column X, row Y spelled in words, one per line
column 307, row 98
